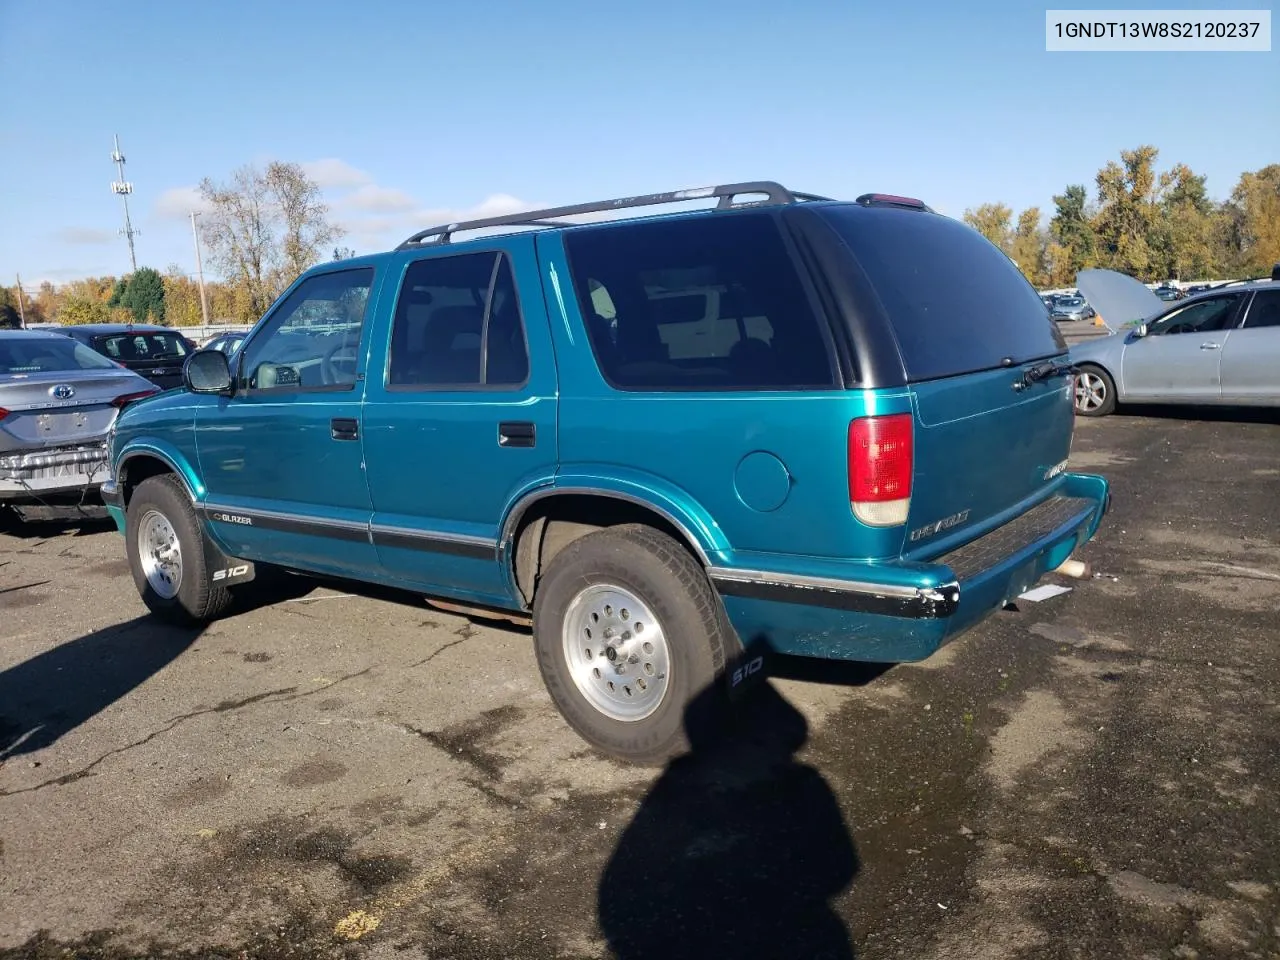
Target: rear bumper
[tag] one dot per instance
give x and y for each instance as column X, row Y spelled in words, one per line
column 36, row 476
column 898, row 612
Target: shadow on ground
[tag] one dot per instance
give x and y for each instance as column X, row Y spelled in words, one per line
column 738, row 850
column 54, row 692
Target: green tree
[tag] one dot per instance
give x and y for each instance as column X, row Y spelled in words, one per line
column 1182, row 236
column 143, row 296
column 1029, row 247
column 993, row 221
column 10, row 316
column 1128, row 213
column 1073, row 246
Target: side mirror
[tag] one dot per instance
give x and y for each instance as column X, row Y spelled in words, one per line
column 1140, row 331
column 207, row 371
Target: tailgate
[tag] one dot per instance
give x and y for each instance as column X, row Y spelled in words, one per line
column 981, row 449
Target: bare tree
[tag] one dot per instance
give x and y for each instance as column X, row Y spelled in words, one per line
column 264, row 228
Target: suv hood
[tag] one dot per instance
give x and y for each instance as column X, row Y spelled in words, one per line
column 1120, row 300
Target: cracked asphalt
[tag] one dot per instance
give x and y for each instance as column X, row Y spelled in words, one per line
column 351, row 773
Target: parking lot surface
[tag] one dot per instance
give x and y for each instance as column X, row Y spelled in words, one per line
column 333, row 771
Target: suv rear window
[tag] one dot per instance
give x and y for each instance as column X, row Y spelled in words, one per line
column 956, row 303
column 142, row 346
column 710, row 302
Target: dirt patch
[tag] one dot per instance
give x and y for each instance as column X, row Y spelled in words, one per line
column 203, row 790
column 1037, row 727
column 257, row 657
column 314, row 773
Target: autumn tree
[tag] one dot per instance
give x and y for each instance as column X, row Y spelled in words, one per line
column 1028, row 247
column 993, row 221
column 181, row 298
column 265, row 227
column 1128, row 213
column 1252, row 218
column 1073, row 245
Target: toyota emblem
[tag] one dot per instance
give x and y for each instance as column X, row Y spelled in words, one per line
column 63, row 391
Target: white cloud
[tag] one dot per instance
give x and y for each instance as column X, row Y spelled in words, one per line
column 85, row 236
column 176, row 203
column 379, row 199
column 332, row 174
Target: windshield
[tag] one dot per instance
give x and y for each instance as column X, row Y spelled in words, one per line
column 24, row 355
column 142, row 346
column 1070, row 303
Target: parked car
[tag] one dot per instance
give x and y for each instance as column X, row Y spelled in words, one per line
column 228, row 343
column 1222, row 346
column 1071, row 309
column 58, row 399
column 673, row 443
column 1168, row 292
column 154, row 352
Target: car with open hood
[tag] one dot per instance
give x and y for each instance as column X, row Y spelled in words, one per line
column 1219, row 347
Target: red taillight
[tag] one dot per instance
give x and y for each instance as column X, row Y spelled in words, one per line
column 3, row 413
column 125, row 399
column 881, row 463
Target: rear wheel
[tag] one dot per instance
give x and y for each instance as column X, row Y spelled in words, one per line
column 628, row 631
column 165, row 544
column 1095, row 392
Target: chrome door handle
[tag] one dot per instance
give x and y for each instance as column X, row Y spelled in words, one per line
column 1210, row 346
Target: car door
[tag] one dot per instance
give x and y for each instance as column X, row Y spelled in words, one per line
column 1179, row 359
column 462, row 416
column 282, row 458
column 1251, row 358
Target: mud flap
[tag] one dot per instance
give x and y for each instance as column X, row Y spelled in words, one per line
column 226, row 571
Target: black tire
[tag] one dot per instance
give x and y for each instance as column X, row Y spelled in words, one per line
column 196, row 600
column 1102, row 382
column 675, row 588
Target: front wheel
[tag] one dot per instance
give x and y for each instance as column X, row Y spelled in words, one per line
column 165, row 544
column 1095, row 392
column 628, row 632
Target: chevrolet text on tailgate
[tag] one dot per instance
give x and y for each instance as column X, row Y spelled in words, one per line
column 676, row 442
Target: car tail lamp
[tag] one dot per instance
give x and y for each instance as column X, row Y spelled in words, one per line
column 881, row 464
column 3, row 413
column 125, row 399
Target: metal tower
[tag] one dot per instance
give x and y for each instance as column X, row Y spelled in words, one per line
column 124, row 188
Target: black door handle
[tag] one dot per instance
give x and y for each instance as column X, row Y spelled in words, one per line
column 516, row 433
column 344, row 428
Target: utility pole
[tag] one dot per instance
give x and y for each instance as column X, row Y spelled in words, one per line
column 204, row 301
column 22, row 310
column 123, row 187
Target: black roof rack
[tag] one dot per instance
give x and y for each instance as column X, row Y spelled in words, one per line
column 774, row 193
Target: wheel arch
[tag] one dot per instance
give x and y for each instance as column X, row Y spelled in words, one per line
column 545, row 521
column 143, row 461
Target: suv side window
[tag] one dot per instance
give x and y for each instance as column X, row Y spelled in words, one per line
column 458, row 325
column 700, row 303
column 1264, row 311
column 312, row 340
column 1202, row 317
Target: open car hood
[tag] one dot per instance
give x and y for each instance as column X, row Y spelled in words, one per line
column 1120, row 300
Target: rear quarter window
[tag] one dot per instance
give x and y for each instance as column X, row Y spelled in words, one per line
column 711, row 302
column 956, row 303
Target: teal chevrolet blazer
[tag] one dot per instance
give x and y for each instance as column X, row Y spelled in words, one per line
column 672, row 441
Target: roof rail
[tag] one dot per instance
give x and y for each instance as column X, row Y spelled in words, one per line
column 774, row 193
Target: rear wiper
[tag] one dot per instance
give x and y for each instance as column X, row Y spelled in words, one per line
column 1045, row 371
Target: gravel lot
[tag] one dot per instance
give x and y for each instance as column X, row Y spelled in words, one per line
column 360, row 775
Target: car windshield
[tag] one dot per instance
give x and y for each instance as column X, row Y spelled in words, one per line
column 1070, row 303
column 142, row 346
column 25, row 355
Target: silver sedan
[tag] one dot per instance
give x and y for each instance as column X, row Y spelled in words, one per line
column 58, row 400
column 1221, row 347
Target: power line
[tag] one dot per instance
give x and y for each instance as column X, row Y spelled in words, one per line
column 123, row 187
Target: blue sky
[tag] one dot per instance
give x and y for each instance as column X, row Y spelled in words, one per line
column 413, row 112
